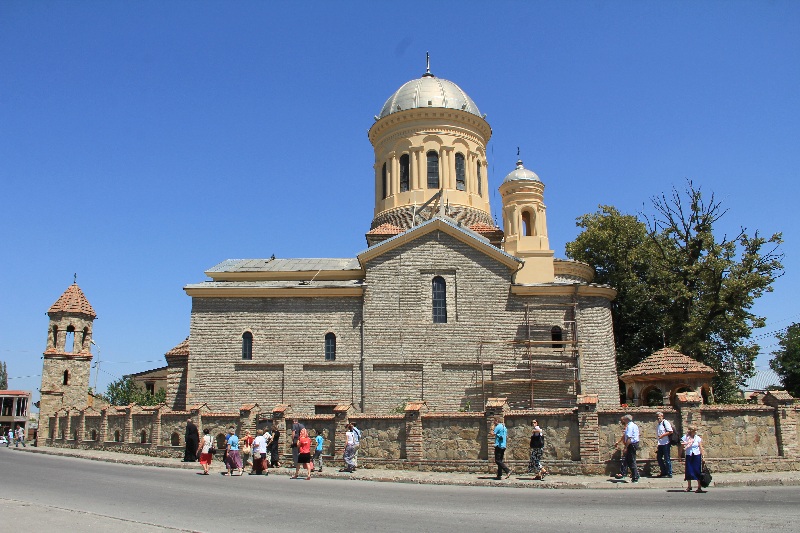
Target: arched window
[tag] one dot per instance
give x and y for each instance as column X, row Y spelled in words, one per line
column 404, row 172
column 480, row 180
column 556, row 335
column 527, row 227
column 69, row 341
column 433, row 170
column 330, row 347
column 65, row 380
column 175, row 439
column 461, row 173
column 247, row 345
column 439, row 299
column 83, row 339
column 55, row 337
column 383, row 178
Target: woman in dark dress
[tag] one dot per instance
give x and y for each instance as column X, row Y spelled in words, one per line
column 274, row 447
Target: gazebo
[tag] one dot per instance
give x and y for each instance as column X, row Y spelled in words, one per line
column 664, row 374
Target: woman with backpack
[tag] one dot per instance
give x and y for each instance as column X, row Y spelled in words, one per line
column 537, row 450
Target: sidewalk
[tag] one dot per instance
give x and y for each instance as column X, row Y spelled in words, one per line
column 522, row 480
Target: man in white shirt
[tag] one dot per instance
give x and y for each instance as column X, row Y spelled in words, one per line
column 260, row 447
column 630, row 442
column 663, row 431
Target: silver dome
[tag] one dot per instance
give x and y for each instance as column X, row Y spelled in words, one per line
column 521, row 173
column 429, row 91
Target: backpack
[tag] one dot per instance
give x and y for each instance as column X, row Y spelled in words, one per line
column 675, row 437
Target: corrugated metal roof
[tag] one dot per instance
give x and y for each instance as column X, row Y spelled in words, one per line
column 763, row 379
column 286, row 265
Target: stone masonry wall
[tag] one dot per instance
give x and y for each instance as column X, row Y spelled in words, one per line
column 738, row 437
column 288, row 364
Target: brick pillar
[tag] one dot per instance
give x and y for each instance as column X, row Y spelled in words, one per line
column 68, row 425
column 785, row 422
column 687, row 404
column 415, row 447
column 81, row 429
column 588, row 428
column 495, row 409
column 127, row 433
column 155, row 427
column 341, row 418
column 279, row 415
column 56, row 427
column 103, row 436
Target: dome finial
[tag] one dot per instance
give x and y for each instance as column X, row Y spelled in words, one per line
column 428, row 66
column 519, row 159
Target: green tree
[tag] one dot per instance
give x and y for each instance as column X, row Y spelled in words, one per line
column 786, row 360
column 3, row 376
column 679, row 285
column 124, row 392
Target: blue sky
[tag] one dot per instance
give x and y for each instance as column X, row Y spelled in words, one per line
column 143, row 142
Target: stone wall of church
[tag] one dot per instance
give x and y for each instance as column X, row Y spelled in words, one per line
column 459, row 364
column 288, row 363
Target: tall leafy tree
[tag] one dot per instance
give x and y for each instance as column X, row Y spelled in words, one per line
column 124, row 392
column 786, row 359
column 680, row 284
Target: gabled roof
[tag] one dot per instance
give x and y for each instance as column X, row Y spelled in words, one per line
column 180, row 349
column 667, row 361
column 73, row 301
column 446, row 225
column 318, row 268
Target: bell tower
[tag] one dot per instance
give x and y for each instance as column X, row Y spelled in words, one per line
column 68, row 356
column 525, row 221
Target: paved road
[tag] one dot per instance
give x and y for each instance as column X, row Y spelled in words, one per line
column 67, row 494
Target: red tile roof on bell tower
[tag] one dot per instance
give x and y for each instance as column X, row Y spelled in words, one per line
column 73, row 301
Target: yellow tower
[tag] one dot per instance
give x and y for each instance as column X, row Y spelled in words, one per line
column 525, row 225
column 430, row 157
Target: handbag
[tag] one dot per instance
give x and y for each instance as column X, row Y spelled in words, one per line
column 246, row 449
column 257, row 456
column 705, row 475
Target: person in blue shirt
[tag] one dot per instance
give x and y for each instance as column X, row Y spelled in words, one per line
column 320, row 440
column 500, row 442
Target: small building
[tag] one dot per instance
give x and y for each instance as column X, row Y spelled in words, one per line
column 151, row 380
column 14, row 409
column 657, row 379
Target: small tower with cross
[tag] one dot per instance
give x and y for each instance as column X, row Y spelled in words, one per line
column 67, row 357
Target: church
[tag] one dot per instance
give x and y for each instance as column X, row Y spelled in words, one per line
column 442, row 306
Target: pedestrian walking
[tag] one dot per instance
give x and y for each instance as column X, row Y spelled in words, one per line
column 537, row 451
column 20, row 437
column 630, row 442
column 694, row 452
column 204, row 450
column 349, row 450
column 663, row 433
column 357, row 439
column 233, row 459
column 259, row 453
column 274, row 447
column 296, row 427
column 500, row 442
column 320, row 441
column 304, row 454
column 192, row 441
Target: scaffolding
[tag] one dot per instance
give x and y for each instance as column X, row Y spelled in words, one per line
column 543, row 357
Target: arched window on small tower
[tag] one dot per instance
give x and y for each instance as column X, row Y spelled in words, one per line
column 69, row 342
column 55, row 337
column 404, row 172
column 480, row 180
column 439, row 300
column 527, row 224
column 383, row 180
column 65, row 379
column 247, row 345
column 330, row 347
column 461, row 173
column 433, row 170
column 557, row 336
